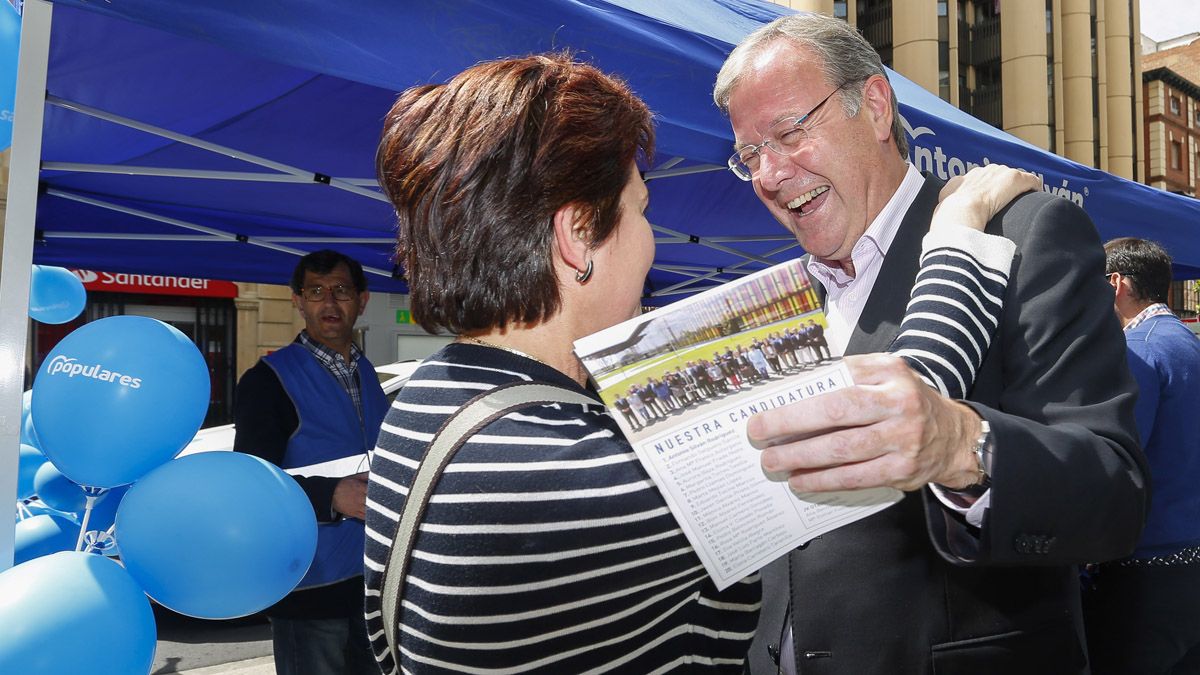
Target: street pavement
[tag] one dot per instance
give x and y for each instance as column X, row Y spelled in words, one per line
column 198, row 647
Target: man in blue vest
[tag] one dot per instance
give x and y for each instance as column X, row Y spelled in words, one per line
column 314, row 409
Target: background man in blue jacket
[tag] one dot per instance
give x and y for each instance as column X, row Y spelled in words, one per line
column 314, row 409
column 1143, row 612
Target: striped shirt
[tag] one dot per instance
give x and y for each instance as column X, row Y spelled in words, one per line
column 546, row 547
column 955, row 306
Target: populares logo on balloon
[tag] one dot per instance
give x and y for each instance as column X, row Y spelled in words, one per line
column 70, row 367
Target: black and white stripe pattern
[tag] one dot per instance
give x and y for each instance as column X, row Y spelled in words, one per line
column 955, row 307
column 546, row 546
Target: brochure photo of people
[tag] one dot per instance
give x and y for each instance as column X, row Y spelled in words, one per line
column 715, row 347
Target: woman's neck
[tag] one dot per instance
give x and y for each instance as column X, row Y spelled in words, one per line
column 546, row 343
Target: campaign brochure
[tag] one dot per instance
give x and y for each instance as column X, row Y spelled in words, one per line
column 683, row 380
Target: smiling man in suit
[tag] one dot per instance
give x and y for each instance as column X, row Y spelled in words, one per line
column 1006, row 491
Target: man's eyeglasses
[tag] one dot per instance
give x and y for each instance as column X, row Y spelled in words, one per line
column 317, row 293
column 783, row 138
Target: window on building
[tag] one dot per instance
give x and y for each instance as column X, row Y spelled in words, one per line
column 839, row 9
column 943, row 23
column 1051, row 116
column 1174, row 104
column 1197, row 117
column 875, row 22
column 1176, row 155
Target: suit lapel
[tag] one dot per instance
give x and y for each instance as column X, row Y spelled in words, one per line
column 881, row 316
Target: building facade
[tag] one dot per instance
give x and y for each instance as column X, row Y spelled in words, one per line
column 1171, row 96
column 1061, row 74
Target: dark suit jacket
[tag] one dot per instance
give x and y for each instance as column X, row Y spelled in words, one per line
column 914, row 588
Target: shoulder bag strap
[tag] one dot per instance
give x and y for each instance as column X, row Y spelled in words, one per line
column 469, row 419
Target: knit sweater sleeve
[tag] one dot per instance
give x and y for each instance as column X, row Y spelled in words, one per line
column 955, row 306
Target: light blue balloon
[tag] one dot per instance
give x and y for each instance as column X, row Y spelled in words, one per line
column 30, row 460
column 216, row 535
column 28, row 433
column 43, row 534
column 55, row 294
column 10, row 44
column 74, row 613
column 118, row 397
column 57, row 491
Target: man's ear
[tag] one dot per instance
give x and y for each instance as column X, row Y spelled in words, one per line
column 877, row 104
column 362, row 301
column 570, row 239
column 296, row 300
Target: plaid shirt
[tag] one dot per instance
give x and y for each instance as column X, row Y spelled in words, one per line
column 1157, row 309
column 345, row 373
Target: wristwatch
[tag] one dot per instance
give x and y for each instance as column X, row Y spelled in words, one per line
column 983, row 444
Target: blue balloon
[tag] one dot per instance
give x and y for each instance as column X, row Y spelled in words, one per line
column 216, row 535
column 55, row 294
column 10, row 43
column 74, row 613
column 28, row 463
column 58, row 491
column 28, row 433
column 118, row 397
column 43, row 534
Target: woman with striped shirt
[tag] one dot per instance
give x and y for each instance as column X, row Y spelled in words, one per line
column 545, row 546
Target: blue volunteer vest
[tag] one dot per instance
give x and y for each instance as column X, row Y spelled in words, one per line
column 329, row 430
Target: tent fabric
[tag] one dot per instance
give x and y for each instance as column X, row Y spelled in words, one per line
column 305, row 84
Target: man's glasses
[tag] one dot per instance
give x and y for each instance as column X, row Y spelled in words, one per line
column 783, row 138
column 317, row 293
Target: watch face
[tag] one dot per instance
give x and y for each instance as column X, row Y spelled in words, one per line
column 983, row 451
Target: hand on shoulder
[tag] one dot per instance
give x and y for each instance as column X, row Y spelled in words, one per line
column 972, row 199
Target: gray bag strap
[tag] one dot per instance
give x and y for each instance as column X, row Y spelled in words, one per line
column 469, row 419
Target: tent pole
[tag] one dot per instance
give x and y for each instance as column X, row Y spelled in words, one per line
column 782, row 236
column 211, row 147
column 684, row 171
column 705, row 241
column 19, row 217
column 686, row 286
column 167, row 172
column 218, row 234
column 129, row 236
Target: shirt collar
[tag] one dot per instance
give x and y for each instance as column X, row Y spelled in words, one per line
column 876, row 241
column 325, row 353
column 1157, row 309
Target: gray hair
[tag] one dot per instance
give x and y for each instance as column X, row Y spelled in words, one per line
column 846, row 59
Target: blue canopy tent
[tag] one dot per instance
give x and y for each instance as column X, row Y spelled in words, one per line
column 299, row 90
column 221, row 139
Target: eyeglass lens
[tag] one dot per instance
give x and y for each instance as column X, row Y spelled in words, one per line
column 317, row 293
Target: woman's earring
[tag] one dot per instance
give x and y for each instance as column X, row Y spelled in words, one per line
column 586, row 274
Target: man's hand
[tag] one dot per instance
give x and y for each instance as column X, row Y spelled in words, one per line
column 350, row 496
column 972, row 199
column 889, row 429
